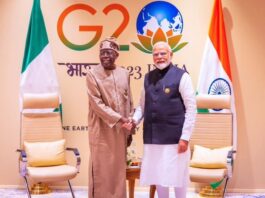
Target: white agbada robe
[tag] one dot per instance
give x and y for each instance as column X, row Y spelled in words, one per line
column 162, row 164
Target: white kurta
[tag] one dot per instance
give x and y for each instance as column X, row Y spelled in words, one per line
column 162, row 164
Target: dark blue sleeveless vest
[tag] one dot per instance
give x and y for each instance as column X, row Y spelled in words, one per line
column 164, row 109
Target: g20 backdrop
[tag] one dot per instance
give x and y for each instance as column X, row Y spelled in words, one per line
column 75, row 29
column 136, row 25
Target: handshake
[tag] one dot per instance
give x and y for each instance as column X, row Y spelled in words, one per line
column 127, row 123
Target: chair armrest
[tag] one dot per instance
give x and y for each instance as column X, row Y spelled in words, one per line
column 22, row 162
column 77, row 155
column 230, row 162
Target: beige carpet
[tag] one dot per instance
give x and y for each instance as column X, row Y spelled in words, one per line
column 21, row 193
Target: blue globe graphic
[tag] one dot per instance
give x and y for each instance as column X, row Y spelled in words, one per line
column 159, row 14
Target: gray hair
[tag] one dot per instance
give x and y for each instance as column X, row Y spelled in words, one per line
column 164, row 44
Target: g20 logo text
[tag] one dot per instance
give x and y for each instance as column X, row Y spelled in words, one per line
column 97, row 29
column 157, row 21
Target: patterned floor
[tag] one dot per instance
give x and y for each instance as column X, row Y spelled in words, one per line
column 20, row 193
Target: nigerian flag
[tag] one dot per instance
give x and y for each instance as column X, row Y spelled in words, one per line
column 215, row 74
column 38, row 73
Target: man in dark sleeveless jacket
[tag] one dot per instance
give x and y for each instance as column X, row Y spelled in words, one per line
column 168, row 107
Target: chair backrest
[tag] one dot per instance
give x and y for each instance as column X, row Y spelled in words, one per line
column 213, row 130
column 39, row 126
column 40, row 101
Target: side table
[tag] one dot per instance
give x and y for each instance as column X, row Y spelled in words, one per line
column 131, row 175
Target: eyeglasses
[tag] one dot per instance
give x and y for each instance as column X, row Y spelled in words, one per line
column 160, row 53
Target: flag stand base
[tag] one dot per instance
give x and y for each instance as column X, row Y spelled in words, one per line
column 209, row 192
column 40, row 188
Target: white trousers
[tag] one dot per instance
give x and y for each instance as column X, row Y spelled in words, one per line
column 163, row 192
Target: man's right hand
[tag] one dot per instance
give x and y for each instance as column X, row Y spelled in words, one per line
column 130, row 125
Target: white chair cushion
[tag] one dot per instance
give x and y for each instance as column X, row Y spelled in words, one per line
column 45, row 153
column 206, row 175
column 203, row 157
column 52, row 173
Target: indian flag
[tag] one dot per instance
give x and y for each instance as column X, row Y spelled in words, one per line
column 215, row 74
column 38, row 73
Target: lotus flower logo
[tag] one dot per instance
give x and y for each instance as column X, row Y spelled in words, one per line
column 159, row 21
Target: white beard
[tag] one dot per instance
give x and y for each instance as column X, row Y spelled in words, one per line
column 162, row 66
